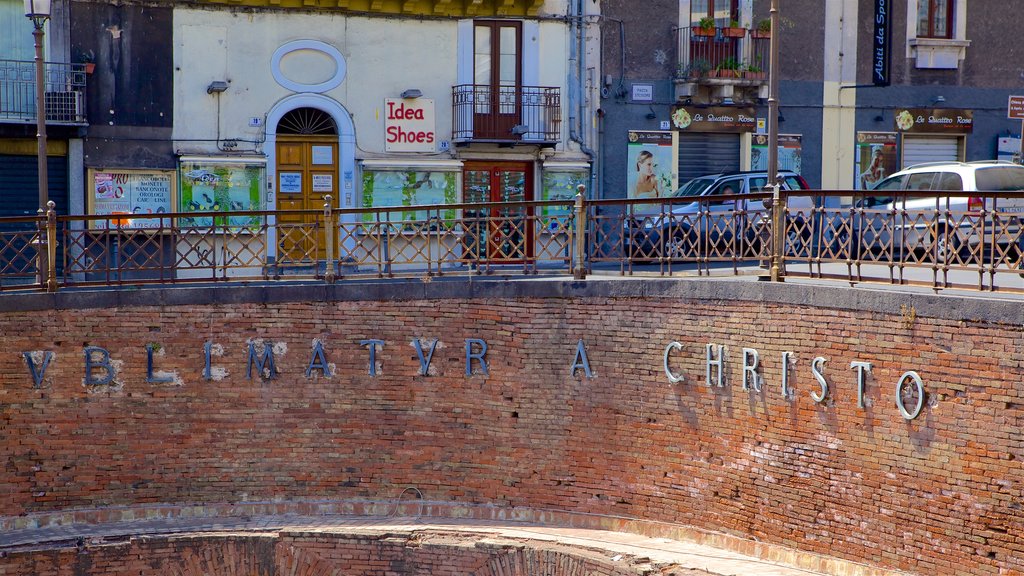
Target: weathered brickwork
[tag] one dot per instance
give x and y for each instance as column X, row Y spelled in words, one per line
column 319, row 554
column 939, row 494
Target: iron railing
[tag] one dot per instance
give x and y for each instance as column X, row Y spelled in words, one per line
column 64, row 92
column 842, row 237
column 485, row 113
column 701, row 57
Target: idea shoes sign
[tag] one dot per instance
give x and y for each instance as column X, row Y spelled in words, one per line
column 409, row 125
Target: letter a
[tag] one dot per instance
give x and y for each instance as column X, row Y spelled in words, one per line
column 581, row 361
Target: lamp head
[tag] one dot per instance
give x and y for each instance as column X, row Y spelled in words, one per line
column 38, row 11
column 412, row 93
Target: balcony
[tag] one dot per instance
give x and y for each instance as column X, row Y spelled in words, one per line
column 722, row 56
column 64, row 92
column 506, row 115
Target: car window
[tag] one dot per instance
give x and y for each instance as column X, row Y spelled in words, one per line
column 920, row 181
column 695, row 187
column 757, row 183
column 998, row 178
column 794, row 182
column 891, row 183
column 949, row 181
column 731, row 186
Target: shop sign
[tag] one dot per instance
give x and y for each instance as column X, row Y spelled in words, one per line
column 409, row 125
column 132, row 192
column 1015, row 109
column 880, row 43
column 713, row 119
column 934, row 121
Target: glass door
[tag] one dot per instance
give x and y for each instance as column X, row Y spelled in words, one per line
column 500, row 233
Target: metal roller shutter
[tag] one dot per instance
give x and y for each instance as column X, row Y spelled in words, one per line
column 919, row 149
column 701, row 154
column 19, row 186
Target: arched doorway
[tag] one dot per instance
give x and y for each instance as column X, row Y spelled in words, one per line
column 307, row 171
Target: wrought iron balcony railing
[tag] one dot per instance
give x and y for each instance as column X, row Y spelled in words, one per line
column 506, row 114
column 64, row 92
column 721, row 55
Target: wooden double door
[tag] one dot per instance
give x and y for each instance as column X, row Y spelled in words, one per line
column 501, row 233
column 307, row 171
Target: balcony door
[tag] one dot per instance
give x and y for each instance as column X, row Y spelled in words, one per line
column 501, row 234
column 498, row 78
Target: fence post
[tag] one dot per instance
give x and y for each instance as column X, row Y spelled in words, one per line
column 51, row 246
column 329, row 272
column 778, row 234
column 579, row 270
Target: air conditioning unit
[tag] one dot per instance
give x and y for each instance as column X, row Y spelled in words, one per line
column 65, row 106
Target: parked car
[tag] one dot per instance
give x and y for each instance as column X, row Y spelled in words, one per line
column 706, row 215
column 927, row 210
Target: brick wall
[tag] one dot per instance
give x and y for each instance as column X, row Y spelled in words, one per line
column 317, row 554
column 940, row 493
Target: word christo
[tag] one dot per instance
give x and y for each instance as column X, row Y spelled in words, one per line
column 100, row 369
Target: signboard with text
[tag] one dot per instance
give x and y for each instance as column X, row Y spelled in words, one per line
column 713, row 119
column 880, row 43
column 130, row 192
column 1015, row 108
column 409, row 125
column 934, row 121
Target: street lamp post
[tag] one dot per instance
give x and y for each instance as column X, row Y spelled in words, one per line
column 773, row 145
column 39, row 12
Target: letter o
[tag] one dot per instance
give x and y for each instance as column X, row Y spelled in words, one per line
column 920, row 395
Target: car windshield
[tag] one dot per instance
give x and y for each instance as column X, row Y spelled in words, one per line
column 999, row 178
column 695, row 187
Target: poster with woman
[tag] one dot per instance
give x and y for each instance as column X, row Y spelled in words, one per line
column 876, row 158
column 651, row 164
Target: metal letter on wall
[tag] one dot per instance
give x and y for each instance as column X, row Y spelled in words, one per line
column 38, row 373
column 91, row 365
column 373, row 345
column 581, row 361
column 318, row 361
column 424, row 361
column 672, row 378
column 264, row 364
column 880, row 43
column 479, row 356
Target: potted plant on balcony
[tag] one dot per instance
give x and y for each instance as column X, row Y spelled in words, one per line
column 754, row 72
column 88, row 60
column 728, row 68
column 734, row 30
column 763, row 30
column 705, row 27
column 697, row 68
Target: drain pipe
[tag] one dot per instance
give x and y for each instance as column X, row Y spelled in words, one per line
column 577, row 112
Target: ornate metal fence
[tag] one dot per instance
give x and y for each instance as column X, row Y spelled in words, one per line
column 974, row 243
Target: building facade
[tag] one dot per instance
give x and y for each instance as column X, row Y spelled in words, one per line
column 274, row 106
column 866, row 87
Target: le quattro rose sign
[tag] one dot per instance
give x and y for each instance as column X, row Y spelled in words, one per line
column 409, row 125
column 934, row 121
column 713, row 119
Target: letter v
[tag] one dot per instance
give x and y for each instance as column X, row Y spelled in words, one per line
column 38, row 375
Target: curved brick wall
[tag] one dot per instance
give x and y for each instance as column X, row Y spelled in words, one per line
column 939, row 493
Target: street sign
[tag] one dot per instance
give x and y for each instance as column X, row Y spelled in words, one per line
column 1015, row 109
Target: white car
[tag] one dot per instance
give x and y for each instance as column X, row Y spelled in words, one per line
column 930, row 209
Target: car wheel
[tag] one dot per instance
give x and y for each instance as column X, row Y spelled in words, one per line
column 947, row 246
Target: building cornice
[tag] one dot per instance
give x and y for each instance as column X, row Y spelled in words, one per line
column 436, row 8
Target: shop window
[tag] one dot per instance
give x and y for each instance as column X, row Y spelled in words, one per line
column 936, row 37
column 405, row 188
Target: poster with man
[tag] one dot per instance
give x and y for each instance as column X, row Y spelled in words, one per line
column 876, row 158
column 651, row 164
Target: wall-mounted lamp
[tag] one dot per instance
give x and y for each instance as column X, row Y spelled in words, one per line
column 782, row 118
column 939, row 100
column 216, row 87
column 652, row 114
column 520, row 129
column 879, row 118
column 412, row 93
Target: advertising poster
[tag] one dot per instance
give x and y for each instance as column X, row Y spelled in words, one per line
column 221, row 185
column 790, row 152
column 132, row 192
column 651, row 161
column 876, row 158
column 561, row 185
